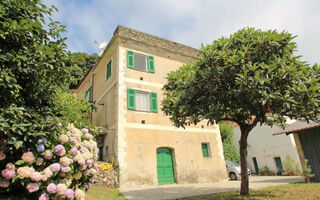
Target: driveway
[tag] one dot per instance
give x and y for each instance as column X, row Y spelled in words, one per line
column 186, row 190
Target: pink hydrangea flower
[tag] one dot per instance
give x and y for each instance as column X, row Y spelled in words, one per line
column 8, row 174
column 28, row 157
column 79, row 194
column 35, row 176
column 32, row 187
column 63, row 138
column 48, row 155
column 69, row 193
column 85, row 130
column 65, row 169
column 88, row 136
column 24, row 172
column 47, row 172
column 73, row 151
column 60, row 150
column 44, row 196
column 39, row 161
column 55, row 167
column 65, row 161
column 61, row 188
column 4, row 183
column 10, row 166
column 51, row 188
column 2, row 155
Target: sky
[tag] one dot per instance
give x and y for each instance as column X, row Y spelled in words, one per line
column 190, row 22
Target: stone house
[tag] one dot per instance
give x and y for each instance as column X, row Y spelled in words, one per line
column 125, row 86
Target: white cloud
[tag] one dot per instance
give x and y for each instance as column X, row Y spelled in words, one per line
column 190, row 22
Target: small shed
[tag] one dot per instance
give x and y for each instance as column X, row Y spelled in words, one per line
column 307, row 138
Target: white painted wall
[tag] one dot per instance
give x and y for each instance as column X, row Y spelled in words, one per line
column 265, row 147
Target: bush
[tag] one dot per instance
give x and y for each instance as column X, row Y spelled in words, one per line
column 60, row 163
column 288, row 165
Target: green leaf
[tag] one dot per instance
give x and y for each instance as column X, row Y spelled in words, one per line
column 19, row 162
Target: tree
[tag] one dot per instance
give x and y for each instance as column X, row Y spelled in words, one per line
column 82, row 64
column 34, row 66
column 229, row 150
column 248, row 78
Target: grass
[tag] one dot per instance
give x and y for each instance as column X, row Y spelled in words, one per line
column 297, row 191
column 100, row 192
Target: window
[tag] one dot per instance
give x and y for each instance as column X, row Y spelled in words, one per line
column 108, row 71
column 140, row 62
column 205, row 149
column 142, row 101
column 88, row 94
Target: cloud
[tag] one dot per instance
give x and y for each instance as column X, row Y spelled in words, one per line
column 190, row 22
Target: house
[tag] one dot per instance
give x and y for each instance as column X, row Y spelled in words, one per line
column 125, row 86
column 307, row 139
column 266, row 150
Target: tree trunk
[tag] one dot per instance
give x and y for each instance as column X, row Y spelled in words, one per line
column 243, row 161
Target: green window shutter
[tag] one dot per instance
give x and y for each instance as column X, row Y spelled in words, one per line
column 130, row 59
column 153, row 102
column 88, row 94
column 108, row 69
column 205, row 151
column 131, row 99
column 151, row 64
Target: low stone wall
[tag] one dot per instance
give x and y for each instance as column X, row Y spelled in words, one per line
column 108, row 178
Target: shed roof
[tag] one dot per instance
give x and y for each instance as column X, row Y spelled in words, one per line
column 297, row 127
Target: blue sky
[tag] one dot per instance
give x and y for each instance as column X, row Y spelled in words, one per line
column 189, row 22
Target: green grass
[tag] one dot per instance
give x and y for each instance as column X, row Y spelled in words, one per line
column 297, row 191
column 100, row 192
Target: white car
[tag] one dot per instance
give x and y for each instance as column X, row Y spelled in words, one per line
column 234, row 170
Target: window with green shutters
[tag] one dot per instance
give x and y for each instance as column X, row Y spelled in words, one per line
column 131, row 99
column 205, row 149
column 140, row 62
column 153, row 102
column 108, row 73
column 142, row 101
column 88, row 94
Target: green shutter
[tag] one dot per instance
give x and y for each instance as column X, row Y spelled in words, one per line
column 205, row 151
column 130, row 59
column 150, row 64
column 153, row 102
column 131, row 99
column 108, row 69
column 88, row 94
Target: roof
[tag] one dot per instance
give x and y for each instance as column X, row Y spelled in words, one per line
column 298, row 126
column 131, row 34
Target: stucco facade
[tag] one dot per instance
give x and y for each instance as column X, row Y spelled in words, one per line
column 132, row 136
column 266, row 147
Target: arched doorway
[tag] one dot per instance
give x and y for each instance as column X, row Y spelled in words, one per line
column 165, row 168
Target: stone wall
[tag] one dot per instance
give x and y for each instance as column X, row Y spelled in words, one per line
column 108, row 178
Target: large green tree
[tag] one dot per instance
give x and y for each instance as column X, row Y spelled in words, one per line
column 82, row 63
column 250, row 78
column 34, row 66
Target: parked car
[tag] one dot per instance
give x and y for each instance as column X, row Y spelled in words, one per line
column 234, row 170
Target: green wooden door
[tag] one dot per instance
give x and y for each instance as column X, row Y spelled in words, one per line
column 165, row 166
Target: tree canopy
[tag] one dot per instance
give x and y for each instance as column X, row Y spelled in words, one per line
column 250, row 77
column 82, row 62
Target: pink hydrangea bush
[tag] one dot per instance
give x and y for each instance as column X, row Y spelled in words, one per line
column 59, row 168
